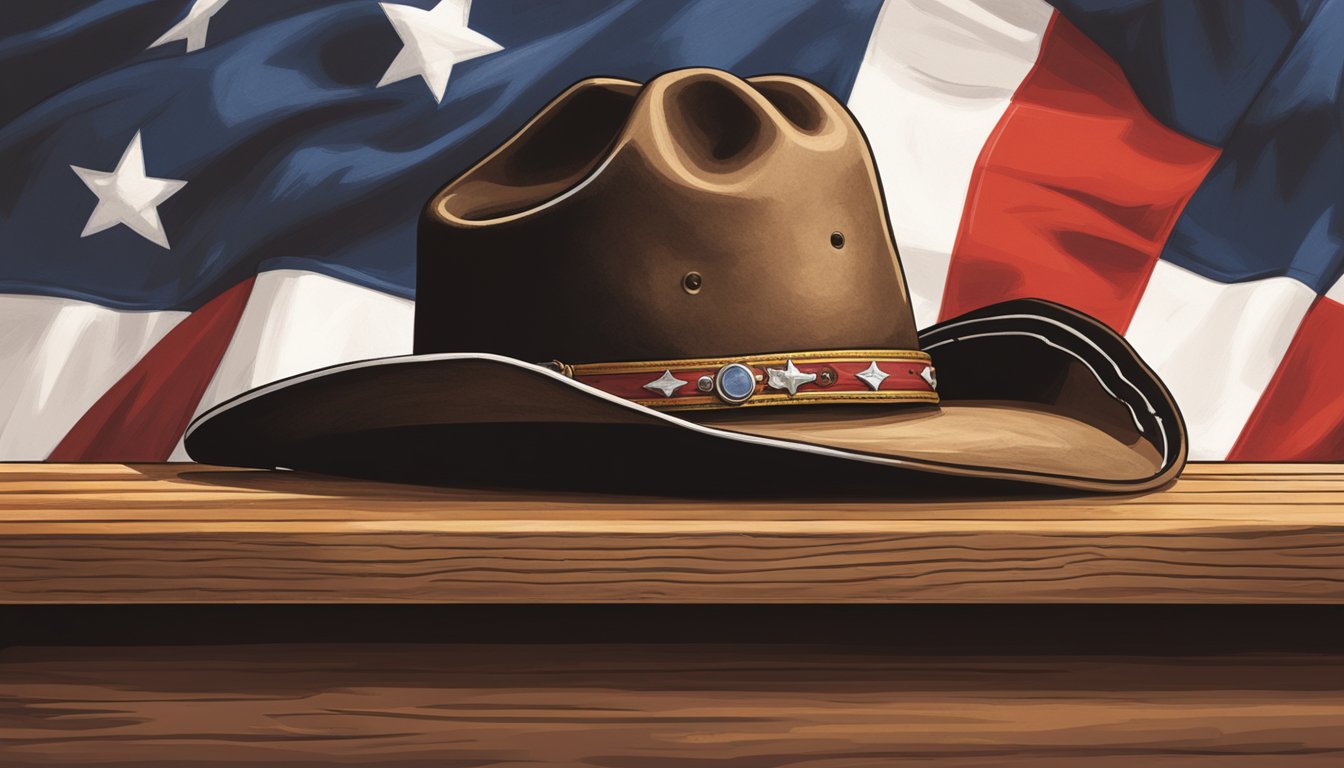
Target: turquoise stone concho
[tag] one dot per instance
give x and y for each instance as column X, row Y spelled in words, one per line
column 735, row 383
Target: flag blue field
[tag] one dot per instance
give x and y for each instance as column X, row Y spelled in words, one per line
column 198, row 197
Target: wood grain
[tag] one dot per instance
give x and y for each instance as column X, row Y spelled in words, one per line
column 187, row 533
column 661, row 706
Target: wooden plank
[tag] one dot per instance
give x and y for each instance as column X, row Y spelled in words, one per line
column 651, row 706
column 187, row 533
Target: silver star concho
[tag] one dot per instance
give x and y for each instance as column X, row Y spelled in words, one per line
column 929, row 375
column 873, row 376
column 790, row 378
column 666, row 384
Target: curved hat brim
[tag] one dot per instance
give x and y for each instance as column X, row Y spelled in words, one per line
column 1031, row 392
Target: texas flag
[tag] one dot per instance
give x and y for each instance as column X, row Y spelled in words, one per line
column 198, row 197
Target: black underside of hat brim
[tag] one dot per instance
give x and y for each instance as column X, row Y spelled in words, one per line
column 1032, row 393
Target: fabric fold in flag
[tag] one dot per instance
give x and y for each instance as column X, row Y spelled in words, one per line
column 1075, row 192
column 1301, row 415
column 141, row 416
column 935, row 82
column 60, row 356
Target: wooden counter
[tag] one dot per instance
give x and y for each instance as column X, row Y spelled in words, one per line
column 186, row 533
column 657, row 686
column 662, row 706
column 205, row 617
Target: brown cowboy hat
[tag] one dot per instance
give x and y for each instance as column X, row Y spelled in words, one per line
column 693, row 278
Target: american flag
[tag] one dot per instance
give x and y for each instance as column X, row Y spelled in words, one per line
column 200, row 197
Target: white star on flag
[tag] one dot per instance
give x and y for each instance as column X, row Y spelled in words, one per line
column 192, row 28
column 432, row 42
column 127, row 196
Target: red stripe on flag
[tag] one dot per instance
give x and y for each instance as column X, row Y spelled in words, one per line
column 142, row 416
column 1075, row 192
column 1300, row 416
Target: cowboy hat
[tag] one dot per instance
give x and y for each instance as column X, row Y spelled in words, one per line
column 697, row 276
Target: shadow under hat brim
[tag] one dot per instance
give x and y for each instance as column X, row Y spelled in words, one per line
column 1032, row 392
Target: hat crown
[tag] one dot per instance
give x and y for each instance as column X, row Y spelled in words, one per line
column 698, row 215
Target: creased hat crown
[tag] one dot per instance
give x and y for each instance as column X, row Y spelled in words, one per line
column 698, row 215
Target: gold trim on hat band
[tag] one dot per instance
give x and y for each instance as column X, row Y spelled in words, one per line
column 839, row 355
column 794, row 378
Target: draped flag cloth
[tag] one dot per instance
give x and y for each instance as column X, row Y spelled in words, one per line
column 198, row 197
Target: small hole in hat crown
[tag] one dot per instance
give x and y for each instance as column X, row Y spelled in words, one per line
column 692, row 282
column 837, row 240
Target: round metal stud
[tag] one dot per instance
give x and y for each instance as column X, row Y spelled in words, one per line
column 691, row 282
column 837, row 240
column 826, row 377
column 735, row 383
column 705, row 384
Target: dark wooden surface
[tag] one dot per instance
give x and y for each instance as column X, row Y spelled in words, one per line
column 187, row 533
column 779, row 704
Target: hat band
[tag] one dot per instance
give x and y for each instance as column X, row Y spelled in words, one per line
column 837, row 376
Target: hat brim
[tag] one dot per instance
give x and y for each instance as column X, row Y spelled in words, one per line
column 1031, row 392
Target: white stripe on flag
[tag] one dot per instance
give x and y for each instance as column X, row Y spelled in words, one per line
column 60, row 356
column 1216, row 346
column 937, row 77
column 300, row 321
column 1336, row 292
